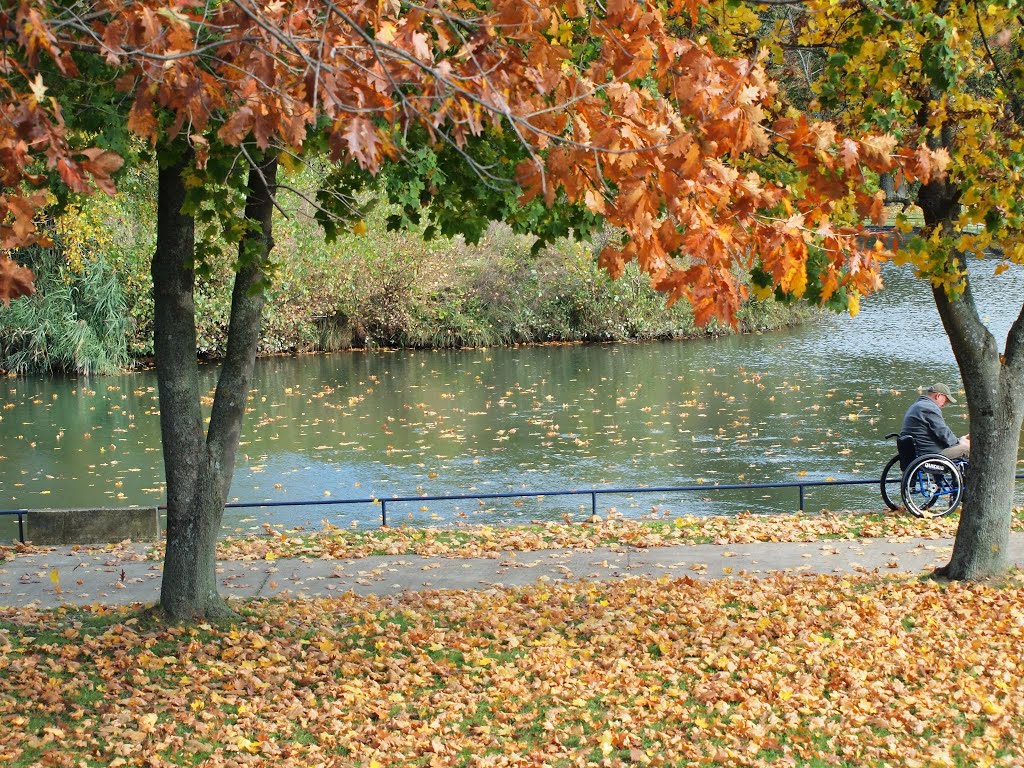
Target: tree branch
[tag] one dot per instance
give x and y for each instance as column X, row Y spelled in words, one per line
column 247, row 302
column 1015, row 105
column 1014, row 360
column 174, row 336
column 973, row 344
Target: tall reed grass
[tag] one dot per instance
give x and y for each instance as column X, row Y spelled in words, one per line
column 76, row 322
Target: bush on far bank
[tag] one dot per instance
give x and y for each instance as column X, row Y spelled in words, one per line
column 93, row 312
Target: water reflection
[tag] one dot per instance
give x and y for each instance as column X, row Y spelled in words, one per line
column 809, row 403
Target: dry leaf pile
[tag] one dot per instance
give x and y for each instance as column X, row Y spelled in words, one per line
column 486, row 540
column 783, row 671
column 123, row 551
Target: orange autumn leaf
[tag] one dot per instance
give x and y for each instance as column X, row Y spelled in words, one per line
column 669, row 163
column 623, row 670
column 15, row 280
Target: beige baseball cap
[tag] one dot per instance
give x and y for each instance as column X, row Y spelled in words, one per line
column 942, row 389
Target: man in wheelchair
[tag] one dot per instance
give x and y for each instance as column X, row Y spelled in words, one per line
column 925, row 424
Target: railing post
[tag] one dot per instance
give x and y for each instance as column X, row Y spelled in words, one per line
column 21, row 527
column 801, row 497
column 383, row 514
column 593, row 504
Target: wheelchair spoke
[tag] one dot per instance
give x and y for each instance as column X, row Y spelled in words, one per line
column 932, row 486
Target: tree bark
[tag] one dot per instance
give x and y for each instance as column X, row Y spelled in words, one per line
column 994, row 387
column 199, row 468
column 995, row 402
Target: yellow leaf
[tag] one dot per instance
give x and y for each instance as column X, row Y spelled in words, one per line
column 991, row 708
column 244, row 744
column 794, row 280
column 287, row 161
column 54, row 576
column 359, row 228
column 1000, row 268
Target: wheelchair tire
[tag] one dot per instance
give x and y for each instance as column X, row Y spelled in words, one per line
column 890, row 477
column 932, row 486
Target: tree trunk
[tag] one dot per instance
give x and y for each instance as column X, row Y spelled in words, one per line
column 994, row 387
column 199, row 468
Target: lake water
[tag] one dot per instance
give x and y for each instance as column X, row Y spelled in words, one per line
column 810, row 403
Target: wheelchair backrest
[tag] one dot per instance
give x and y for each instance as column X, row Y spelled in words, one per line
column 907, row 450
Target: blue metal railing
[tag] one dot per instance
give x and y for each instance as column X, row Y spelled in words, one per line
column 593, row 493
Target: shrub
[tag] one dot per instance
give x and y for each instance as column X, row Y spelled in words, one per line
column 93, row 310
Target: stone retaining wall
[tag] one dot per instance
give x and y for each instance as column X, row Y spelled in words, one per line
column 92, row 526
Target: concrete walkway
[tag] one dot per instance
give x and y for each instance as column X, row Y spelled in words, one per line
column 121, row 577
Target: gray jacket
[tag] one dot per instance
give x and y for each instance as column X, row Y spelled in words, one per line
column 925, row 424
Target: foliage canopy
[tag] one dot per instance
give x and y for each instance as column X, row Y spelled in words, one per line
column 614, row 111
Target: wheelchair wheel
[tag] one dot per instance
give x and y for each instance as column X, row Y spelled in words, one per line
column 890, row 477
column 932, row 486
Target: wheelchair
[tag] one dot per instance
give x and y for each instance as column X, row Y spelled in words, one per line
column 931, row 485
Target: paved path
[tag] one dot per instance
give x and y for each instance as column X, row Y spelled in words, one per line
column 120, row 578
